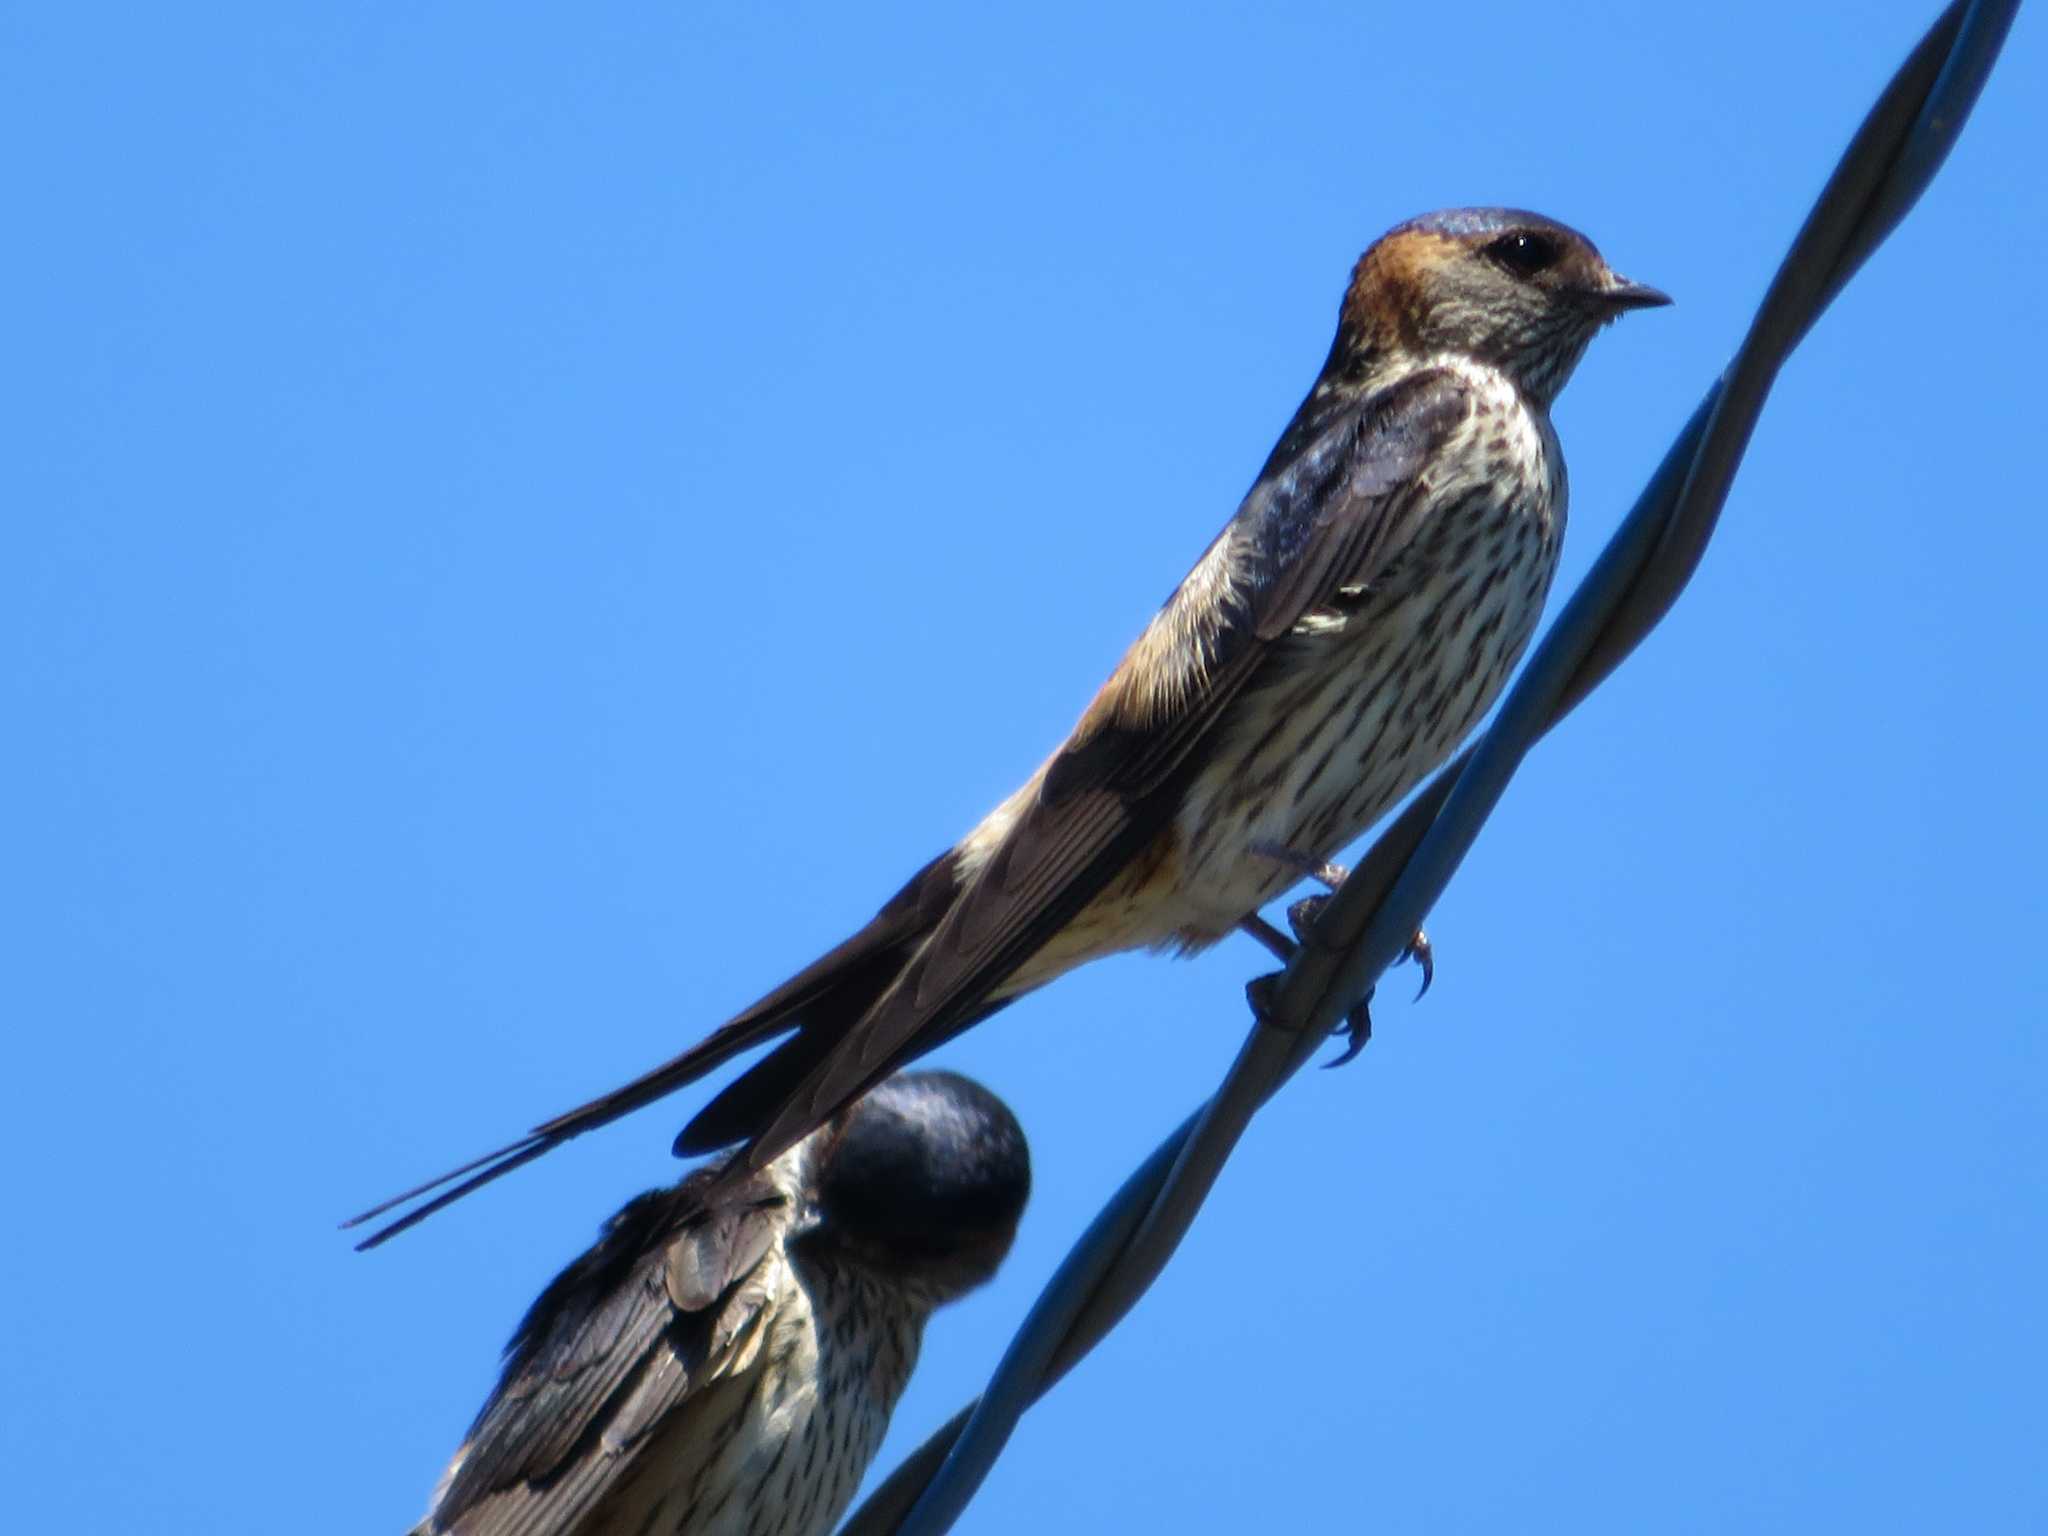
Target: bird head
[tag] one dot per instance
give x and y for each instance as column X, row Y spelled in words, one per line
column 923, row 1179
column 1511, row 289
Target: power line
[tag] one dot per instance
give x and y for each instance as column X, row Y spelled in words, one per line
column 1364, row 929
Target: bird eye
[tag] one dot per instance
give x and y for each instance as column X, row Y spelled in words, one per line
column 1524, row 253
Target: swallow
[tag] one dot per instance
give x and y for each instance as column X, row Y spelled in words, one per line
column 1335, row 643
column 724, row 1361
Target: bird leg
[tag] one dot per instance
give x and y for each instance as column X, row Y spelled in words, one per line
column 1258, row 991
column 1301, row 917
column 1282, row 946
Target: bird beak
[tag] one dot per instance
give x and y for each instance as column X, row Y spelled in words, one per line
column 1621, row 294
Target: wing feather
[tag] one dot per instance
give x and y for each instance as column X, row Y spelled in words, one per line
column 623, row 1340
column 1338, row 513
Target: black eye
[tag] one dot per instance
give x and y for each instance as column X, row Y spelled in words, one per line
column 1524, row 252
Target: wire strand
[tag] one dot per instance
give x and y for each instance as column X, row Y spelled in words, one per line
column 1891, row 160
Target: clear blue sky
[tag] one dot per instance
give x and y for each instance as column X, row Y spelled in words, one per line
column 525, row 523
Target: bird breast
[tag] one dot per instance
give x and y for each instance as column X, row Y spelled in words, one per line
column 1372, row 692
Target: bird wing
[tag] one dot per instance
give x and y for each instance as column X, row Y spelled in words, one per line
column 1334, row 513
column 660, row 1309
column 1337, row 502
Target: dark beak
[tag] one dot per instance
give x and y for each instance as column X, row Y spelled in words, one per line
column 1622, row 294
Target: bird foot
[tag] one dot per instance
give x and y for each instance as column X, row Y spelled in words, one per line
column 1357, row 1025
column 1357, row 1032
column 1259, row 993
column 1301, row 917
column 1419, row 951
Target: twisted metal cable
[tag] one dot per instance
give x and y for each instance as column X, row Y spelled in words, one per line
column 1366, row 925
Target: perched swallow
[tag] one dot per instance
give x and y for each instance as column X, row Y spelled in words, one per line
column 1345, row 631
column 726, row 1358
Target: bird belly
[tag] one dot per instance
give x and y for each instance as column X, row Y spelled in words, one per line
column 1364, row 700
column 1354, row 707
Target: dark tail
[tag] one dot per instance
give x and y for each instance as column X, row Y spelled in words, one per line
column 665, row 1079
column 822, row 1002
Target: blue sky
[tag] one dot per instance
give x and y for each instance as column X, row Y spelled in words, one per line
column 525, row 524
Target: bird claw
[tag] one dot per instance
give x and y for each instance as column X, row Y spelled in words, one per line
column 1422, row 954
column 1301, row 917
column 1259, row 993
column 1357, row 1027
